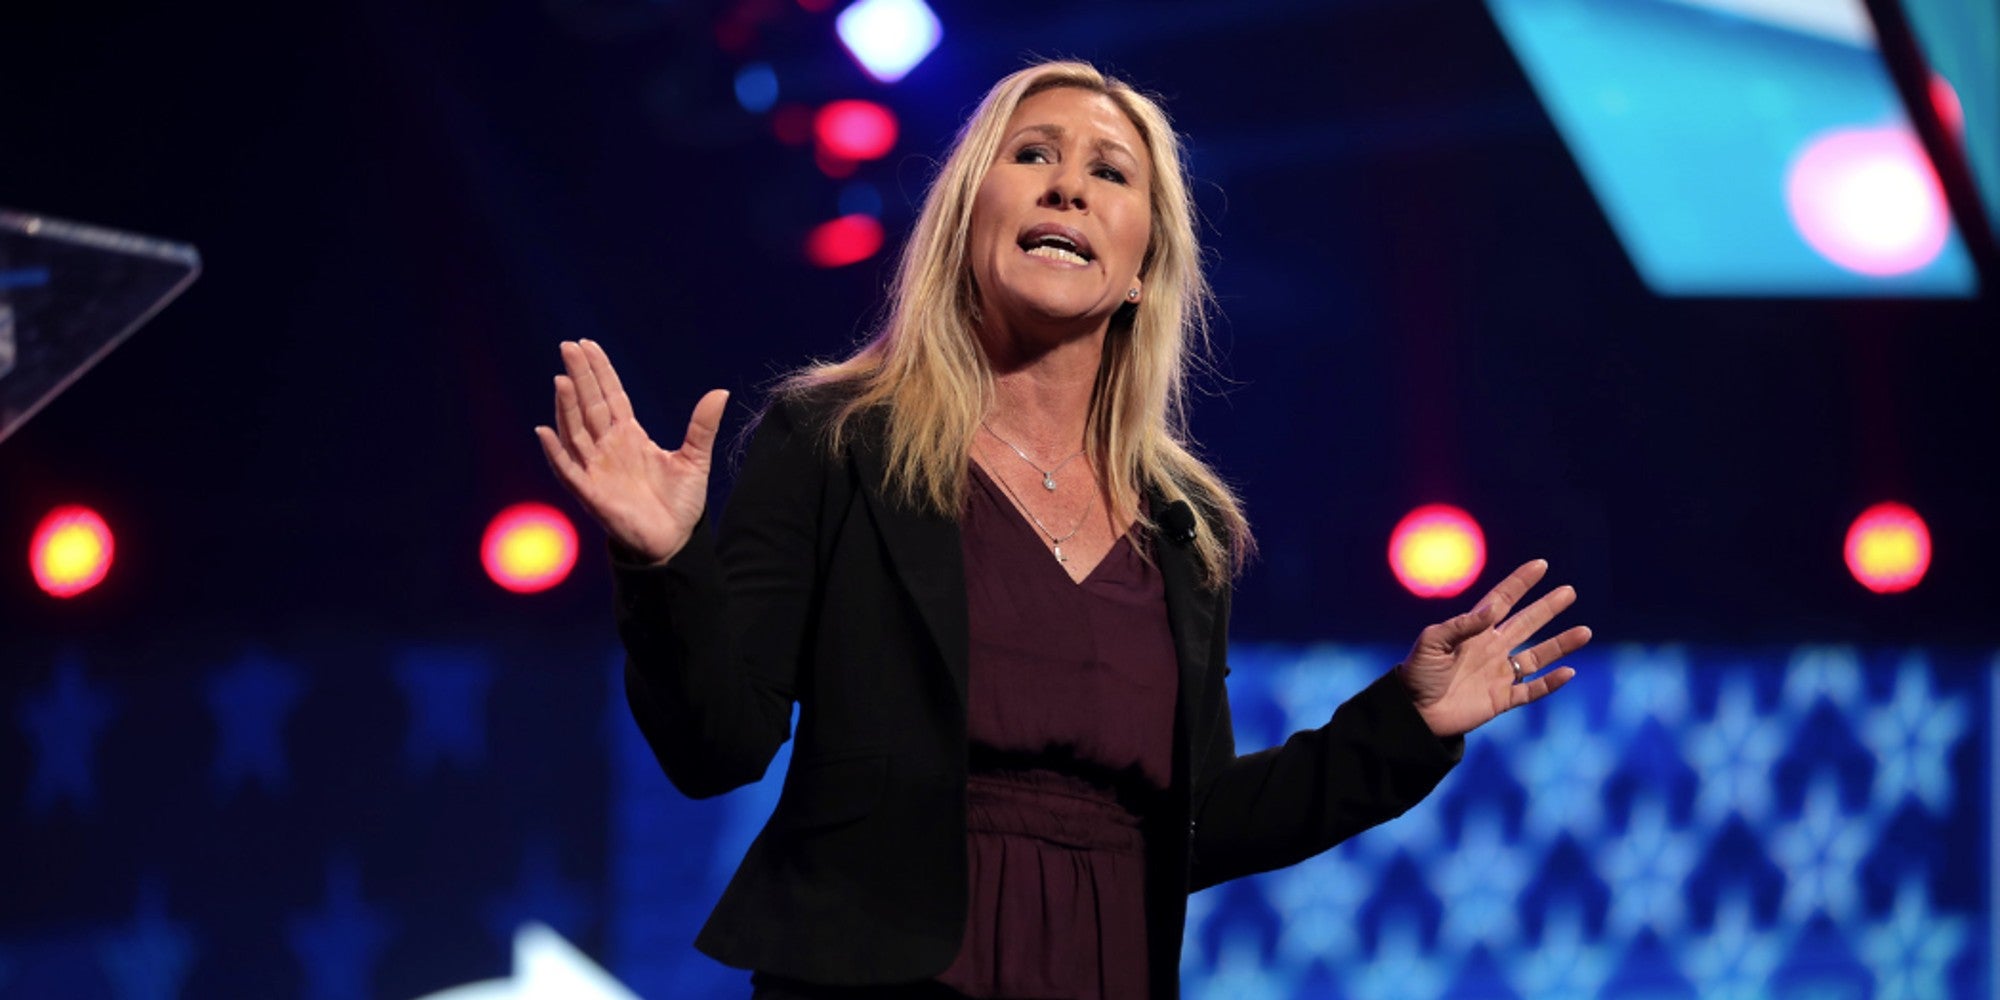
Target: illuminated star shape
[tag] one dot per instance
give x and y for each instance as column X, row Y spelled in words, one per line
column 1564, row 964
column 1652, row 684
column 1734, row 961
column 1734, row 754
column 1317, row 900
column 1479, row 883
column 1912, row 951
column 1563, row 774
column 1402, row 968
column 250, row 702
column 1913, row 737
column 1819, row 854
column 62, row 721
column 340, row 943
column 149, row 958
column 1832, row 673
column 446, row 691
column 1647, row 871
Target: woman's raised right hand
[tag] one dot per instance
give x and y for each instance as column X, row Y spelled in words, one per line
column 649, row 499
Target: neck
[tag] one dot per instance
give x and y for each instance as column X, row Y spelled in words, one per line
column 1042, row 389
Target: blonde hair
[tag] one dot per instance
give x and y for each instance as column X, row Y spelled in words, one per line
column 926, row 369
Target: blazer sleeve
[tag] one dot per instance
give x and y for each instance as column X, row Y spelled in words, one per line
column 1369, row 763
column 715, row 636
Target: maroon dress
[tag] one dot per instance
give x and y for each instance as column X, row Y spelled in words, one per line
column 1071, row 701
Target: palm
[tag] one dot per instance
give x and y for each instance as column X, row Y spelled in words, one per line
column 648, row 498
column 1459, row 673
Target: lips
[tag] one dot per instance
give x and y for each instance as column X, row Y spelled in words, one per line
column 1056, row 242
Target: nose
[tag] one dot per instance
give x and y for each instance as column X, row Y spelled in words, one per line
column 1065, row 190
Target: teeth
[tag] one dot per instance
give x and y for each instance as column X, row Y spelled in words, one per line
column 1058, row 253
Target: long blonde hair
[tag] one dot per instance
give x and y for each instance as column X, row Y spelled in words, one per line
column 926, row 368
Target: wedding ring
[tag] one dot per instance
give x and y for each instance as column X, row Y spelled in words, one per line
column 1517, row 669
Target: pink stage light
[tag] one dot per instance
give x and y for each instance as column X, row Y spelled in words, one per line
column 70, row 551
column 855, row 130
column 528, row 548
column 1944, row 101
column 1888, row 548
column 1868, row 200
column 1437, row 550
column 847, row 240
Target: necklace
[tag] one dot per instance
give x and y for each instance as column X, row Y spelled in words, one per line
column 1053, row 540
column 1048, row 475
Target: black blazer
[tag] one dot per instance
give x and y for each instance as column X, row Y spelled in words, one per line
column 822, row 590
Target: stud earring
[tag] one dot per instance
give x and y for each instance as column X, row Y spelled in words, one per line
column 1131, row 295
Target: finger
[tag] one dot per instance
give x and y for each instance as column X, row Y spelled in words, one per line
column 589, row 395
column 569, row 421
column 1521, row 627
column 562, row 463
column 1453, row 631
column 1541, row 687
column 1548, row 652
column 699, row 443
column 607, row 379
column 1509, row 592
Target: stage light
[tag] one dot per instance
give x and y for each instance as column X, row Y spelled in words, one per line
column 528, row 547
column 855, row 130
column 757, row 87
column 843, row 241
column 1437, row 550
column 888, row 37
column 1888, row 548
column 1867, row 200
column 1944, row 101
column 70, row 551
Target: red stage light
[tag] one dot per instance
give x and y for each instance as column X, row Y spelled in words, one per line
column 843, row 241
column 70, row 551
column 1944, row 100
column 855, row 130
column 529, row 547
column 1437, row 550
column 1888, row 548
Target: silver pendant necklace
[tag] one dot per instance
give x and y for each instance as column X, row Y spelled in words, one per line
column 1056, row 542
column 1048, row 475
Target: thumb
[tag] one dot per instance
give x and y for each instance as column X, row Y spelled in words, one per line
column 700, row 441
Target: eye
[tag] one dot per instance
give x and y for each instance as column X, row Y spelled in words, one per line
column 1032, row 154
column 1110, row 173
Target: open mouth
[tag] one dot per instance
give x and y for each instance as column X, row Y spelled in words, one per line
column 1058, row 243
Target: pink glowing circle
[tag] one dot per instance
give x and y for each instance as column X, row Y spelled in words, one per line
column 528, row 548
column 1888, row 548
column 1437, row 550
column 1867, row 200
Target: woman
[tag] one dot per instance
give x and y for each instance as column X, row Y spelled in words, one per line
column 1005, row 780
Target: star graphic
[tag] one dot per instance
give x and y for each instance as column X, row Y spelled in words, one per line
column 339, row 944
column 1652, row 683
column 1734, row 961
column 1646, row 871
column 251, row 701
column 1564, row 964
column 1241, row 973
column 149, row 958
column 1911, row 951
column 446, row 691
column 1401, row 968
column 1734, row 753
column 63, row 721
column 1829, row 672
column 1913, row 737
column 1317, row 900
column 1563, row 773
column 1479, row 884
column 1819, row 854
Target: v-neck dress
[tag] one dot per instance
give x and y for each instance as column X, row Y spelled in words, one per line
column 1071, row 691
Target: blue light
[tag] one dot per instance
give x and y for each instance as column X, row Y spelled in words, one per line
column 757, row 87
column 889, row 37
column 861, row 198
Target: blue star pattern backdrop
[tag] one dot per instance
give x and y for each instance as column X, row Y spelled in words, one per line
column 337, row 819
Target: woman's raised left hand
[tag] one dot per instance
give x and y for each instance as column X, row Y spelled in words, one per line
column 1459, row 673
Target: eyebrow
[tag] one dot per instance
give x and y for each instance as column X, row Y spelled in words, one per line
column 1057, row 132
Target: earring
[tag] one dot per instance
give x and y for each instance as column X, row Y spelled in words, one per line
column 1131, row 295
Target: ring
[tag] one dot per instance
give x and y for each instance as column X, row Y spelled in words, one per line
column 1517, row 669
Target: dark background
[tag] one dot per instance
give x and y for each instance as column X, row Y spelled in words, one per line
column 402, row 208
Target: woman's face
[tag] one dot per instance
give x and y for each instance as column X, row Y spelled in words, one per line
column 1062, row 219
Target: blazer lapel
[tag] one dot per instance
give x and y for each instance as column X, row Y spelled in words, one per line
column 1190, row 614
column 928, row 557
